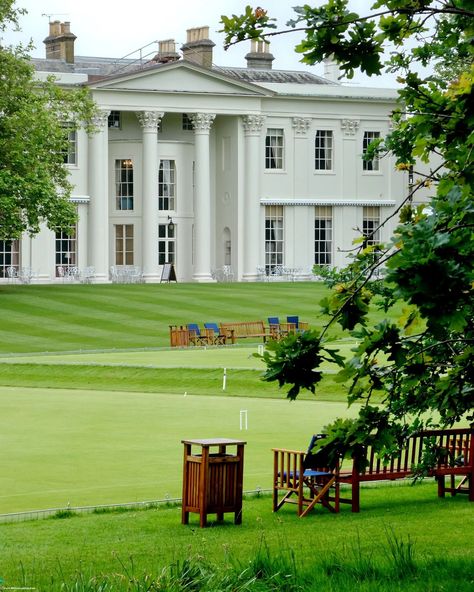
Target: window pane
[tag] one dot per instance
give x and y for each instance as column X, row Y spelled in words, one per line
column 166, row 247
column 167, row 185
column 273, row 237
column 124, row 249
column 274, row 148
column 124, row 184
column 9, row 258
column 66, row 250
column 323, row 150
column 370, row 165
column 370, row 224
column 323, row 235
column 70, row 151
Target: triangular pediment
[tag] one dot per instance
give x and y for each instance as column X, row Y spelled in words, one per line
column 180, row 77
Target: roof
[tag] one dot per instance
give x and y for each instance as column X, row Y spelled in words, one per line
column 274, row 76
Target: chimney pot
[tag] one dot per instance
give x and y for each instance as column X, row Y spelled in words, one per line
column 198, row 47
column 259, row 57
column 60, row 42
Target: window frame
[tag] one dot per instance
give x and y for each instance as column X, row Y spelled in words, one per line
column 70, row 150
column 371, row 217
column 168, row 197
column 124, row 252
column 275, row 149
column 167, row 244
column 115, row 120
column 321, row 151
column 65, row 249
column 370, row 166
column 323, row 236
column 9, row 256
column 124, row 185
column 274, row 238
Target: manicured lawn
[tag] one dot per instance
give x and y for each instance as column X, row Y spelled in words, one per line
column 104, row 425
column 94, row 317
column 433, row 541
column 82, row 447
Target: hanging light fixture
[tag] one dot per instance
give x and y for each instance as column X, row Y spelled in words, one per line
column 170, row 224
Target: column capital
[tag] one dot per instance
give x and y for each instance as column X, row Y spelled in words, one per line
column 100, row 118
column 202, row 122
column 149, row 120
column 301, row 125
column 349, row 126
column 253, row 123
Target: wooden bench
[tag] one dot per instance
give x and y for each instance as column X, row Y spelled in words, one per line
column 247, row 329
column 455, row 461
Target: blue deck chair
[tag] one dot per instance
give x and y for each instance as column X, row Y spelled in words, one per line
column 299, row 326
column 195, row 336
column 214, row 335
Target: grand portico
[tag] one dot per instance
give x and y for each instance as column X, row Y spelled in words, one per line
column 204, row 167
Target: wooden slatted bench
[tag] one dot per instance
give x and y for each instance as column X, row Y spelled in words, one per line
column 456, row 459
column 247, row 329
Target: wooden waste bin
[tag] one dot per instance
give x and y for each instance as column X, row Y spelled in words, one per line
column 212, row 481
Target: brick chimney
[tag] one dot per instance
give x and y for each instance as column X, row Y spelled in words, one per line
column 60, row 42
column 166, row 52
column 198, row 47
column 259, row 57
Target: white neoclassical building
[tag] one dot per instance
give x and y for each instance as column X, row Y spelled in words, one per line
column 205, row 167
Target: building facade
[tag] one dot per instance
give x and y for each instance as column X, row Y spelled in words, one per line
column 252, row 169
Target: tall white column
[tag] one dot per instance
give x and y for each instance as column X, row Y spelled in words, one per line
column 99, row 197
column 202, row 123
column 149, row 120
column 252, row 219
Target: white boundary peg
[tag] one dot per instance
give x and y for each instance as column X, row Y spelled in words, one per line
column 244, row 424
column 260, row 349
column 224, row 379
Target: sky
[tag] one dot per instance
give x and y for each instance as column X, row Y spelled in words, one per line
column 116, row 28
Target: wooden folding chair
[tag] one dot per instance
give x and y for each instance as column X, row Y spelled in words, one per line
column 305, row 479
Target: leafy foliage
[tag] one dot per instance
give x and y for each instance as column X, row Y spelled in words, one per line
column 34, row 185
column 422, row 364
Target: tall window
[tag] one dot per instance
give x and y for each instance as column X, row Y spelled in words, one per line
column 70, row 150
column 274, row 148
column 273, row 237
column 370, row 225
column 115, row 120
column 167, row 185
column 124, row 244
column 323, row 150
column 370, row 165
column 9, row 257
column 166, row 244
column 323, row 235
column 124, row 184
column 66, row 250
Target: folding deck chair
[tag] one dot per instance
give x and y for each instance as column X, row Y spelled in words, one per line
column 195, row 335
column 305, row 479
column 214, row 335
column 299, row 326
